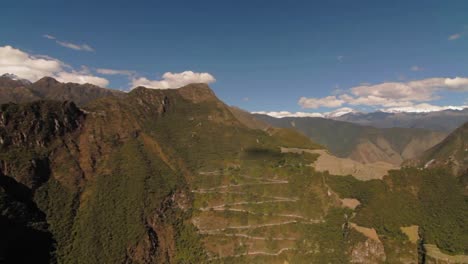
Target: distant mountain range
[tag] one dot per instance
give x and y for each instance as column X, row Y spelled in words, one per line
column 361, row 143
column 16, row 90
column 446, row 120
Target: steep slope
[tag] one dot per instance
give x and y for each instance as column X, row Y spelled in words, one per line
column 19, row 91
column 432, row 199
column 445, row 121
column 248, row 119
column 174, row 176
column 122, row 181
column 451, row 152
column 28, row 133
column 361, row 143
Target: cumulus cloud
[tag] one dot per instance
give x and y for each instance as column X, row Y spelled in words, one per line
column 34, row 67
column 115, row 72
column 330, row 101
column 69, row 45
column 457, row 83
column 390, row 94
column 174, row 80
column 412, row 96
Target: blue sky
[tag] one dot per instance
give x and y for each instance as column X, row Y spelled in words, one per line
column 264, row 55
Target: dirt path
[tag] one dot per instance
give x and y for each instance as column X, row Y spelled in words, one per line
column 223, row 206
column 252, row 253
column 309, row 220
column 239, row 185
column 255, row 237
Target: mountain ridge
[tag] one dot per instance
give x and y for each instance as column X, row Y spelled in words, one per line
column 361, row 143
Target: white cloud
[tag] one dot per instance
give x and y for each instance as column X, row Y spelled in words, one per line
column 80, row 47
column 115, row 72
column 339, row 112
column 34, row 67
column 422, row 108
column 455, row 36
column 73, row 46
column 281, row 114
column 457, row 83
column 48, row 36
column 81, row 77
column 394, row 96
column 400, row 94
column 329, row 101
column 174, row 80
column 416, row 68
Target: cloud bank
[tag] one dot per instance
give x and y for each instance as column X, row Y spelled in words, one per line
column 34, row 67
column 281, row 114
column 391, row 95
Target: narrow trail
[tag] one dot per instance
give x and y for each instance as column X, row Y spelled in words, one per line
column 212, row 173
column 287, row 218
column 256, row 253
column 240, row 185
column 261, row 179
column 248, row 226
column 309, row 220
column 215, row 191
column 254, row 237
column 223, row 206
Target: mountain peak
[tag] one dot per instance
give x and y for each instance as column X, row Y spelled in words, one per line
column 14, row 77
column 47, row 81
column 197, row 92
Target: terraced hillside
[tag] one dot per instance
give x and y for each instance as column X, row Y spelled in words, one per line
column 173, row 176
column 258, row 208
column 113, row 182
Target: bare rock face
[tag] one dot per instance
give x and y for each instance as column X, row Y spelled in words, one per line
column 369, row 251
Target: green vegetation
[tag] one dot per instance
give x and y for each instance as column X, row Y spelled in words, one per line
column 432, row 199
column 172, row 176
